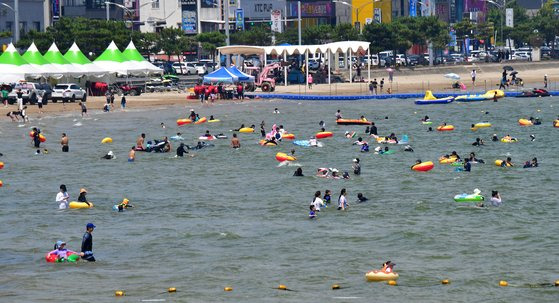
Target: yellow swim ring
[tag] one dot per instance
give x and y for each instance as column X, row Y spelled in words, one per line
column 76, row 205
column 246, row 130
column 377, row 276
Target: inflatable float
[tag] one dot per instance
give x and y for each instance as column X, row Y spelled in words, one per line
column 107, row 140
column 246, row 130
column 556, row 123
column 284, row 157
column 509, row 140
column 444, row 128
column 41, row 137
column 379, row 276
column 500, row 163
column 353, row 122
column 71, row 256
column 210, row 138
column 213, row 121
column 430, row 99
column 469, row 198
column 525, row 122
column 426, row 122
column 77, row 205
column 481, row 125
column 538, row 92
column 307, row 143
column 288, row 136
column 443, row 160
column 489, row 95
column 423, row 166
column 264, row 143
column 176, row 138
column 201, row 120
column 322, row 135
column 221, row 136
column 181, row 122
column 385, row 140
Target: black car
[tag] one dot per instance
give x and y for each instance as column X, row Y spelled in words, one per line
column 417, row 60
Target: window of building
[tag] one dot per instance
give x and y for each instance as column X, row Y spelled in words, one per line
column 74, row 2
column 37, row 26
column 23, row 27
column 155, row 4
column 95, row 3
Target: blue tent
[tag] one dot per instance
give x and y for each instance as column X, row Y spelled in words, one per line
column 222, row 75
column 242, row 76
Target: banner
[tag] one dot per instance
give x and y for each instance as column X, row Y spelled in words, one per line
column 240, row 19
column 427, row 8
column 413, row 8
column 312, row 9
column 510, row 17
column 276, row 21
column 55, row 9
column 377, row 15
column 189, row 20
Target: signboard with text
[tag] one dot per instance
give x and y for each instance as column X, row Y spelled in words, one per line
column 378, row 15
column 510, row 17
column 240, row 19
column 55, row 9
column 261, row 9
column 312, row 9
column 413, row 8
column 189, row 18
column 276, row 21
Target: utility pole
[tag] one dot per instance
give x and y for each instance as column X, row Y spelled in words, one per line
column 299, row 20
column 16, row 21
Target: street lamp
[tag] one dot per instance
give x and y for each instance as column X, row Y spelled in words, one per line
column 14, row 9
column 356, row 9
column 503, row 7
column 126, row 9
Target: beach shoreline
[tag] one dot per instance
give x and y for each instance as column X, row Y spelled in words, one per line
column 405, row 81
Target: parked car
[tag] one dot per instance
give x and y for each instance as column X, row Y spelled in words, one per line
column 128, row 89
column 166, row 66
column 30, row 92
column 401, row 59
column 201, row 68
column 68, row 92
column 521, row 55
column 185, row 68
column 417, row 60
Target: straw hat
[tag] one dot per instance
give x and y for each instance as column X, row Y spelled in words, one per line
column 83, row 190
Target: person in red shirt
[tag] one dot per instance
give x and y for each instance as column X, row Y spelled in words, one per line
column 240, row 91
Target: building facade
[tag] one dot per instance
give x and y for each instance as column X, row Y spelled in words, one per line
column 33, row 15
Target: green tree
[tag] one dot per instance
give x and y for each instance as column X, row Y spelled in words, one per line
column 289, row 36
column 318, row 34
column 495, row 16
column 344, row 32
column 258, row 35
column 211, row 41
column 173, row 41
column 547, row 23
column 380, row 35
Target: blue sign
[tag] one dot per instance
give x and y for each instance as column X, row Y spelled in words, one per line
column 55, row 9
column 452, row 38
column 240, row 19
column 413, row 8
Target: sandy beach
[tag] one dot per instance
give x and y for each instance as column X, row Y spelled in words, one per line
column 405, row 81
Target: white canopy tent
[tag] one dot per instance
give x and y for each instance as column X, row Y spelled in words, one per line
column 344, row 47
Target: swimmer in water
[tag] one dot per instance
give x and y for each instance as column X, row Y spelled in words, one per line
column 327, row 197
column 334, row 173
column 109, row 155
column 317, row 201
column 507, row 162
column 312, row 212
column 345, row 175
column 242, row 126
column 494, row 138
column 124, row 205
column 192, row 115
column 162, row 125
column 342, row 201
column 298, row 172
column 430, row 129
column 132, row 154
column 365, row 148
column 356, row 166
column 235, row 142
column 82, row 197
column 361, row 198
column 479, row 142
column 207, row 134
column 387, row 267
column 408, row 148
column 64, row 142
column 496, row 198
column 181, row 150
column 425, row 119
column 467, row 165
column 140, row 142
column 276, row 111
column 338, row 114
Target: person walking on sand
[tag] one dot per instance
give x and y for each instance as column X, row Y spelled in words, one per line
column 64, row 142
column 391, row 75
column 375, row 84
column 123, row 102
column 87, row 243
column 309, row 79
column 474, row 73
column 545, row 81
column 19, row 95
column 40, row 102
column 381, row 85
column 84, row 109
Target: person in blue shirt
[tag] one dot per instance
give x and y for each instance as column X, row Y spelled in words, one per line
column 312, row 213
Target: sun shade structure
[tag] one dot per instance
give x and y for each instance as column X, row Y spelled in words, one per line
column 345, row 47
column 135, row 62
column 240, row 75
column 75, row 56
column 55, row 58
column 34, row 57
column 112, row 60
column 222, row 75
column 14, row 67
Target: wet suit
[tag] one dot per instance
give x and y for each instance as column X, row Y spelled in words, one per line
column 36, row 139
column 82, row 198
column 181, row 150
column 87, row 247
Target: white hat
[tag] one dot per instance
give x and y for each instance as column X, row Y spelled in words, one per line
column 334, row 170
column 355, row 160
column 477, row 191
column 110, row 153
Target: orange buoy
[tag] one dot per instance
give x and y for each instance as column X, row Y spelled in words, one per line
column 1, row 165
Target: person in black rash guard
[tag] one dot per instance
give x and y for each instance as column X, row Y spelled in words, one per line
column 373, row 129
column 82, row 197
column 192, row 115
column 36, row 139
column 181, row 150
column 87, row 244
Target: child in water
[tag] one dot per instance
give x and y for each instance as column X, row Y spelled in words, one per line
column 327, row 197
column 312, row 213
column 124, row 205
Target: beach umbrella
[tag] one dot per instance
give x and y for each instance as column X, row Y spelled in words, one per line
column 13, row 66
column 55, row 58
column 34, row 57
column 508, row 67
column 135, row 62
column 514, row 73
column 112, row 60
column 75, row 56
column 389, row 70
column 452, row 76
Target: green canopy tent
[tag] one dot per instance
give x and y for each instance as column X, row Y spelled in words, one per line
column 75, row 56
column 34, row 57
column 14, row 68
column 137, row 62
